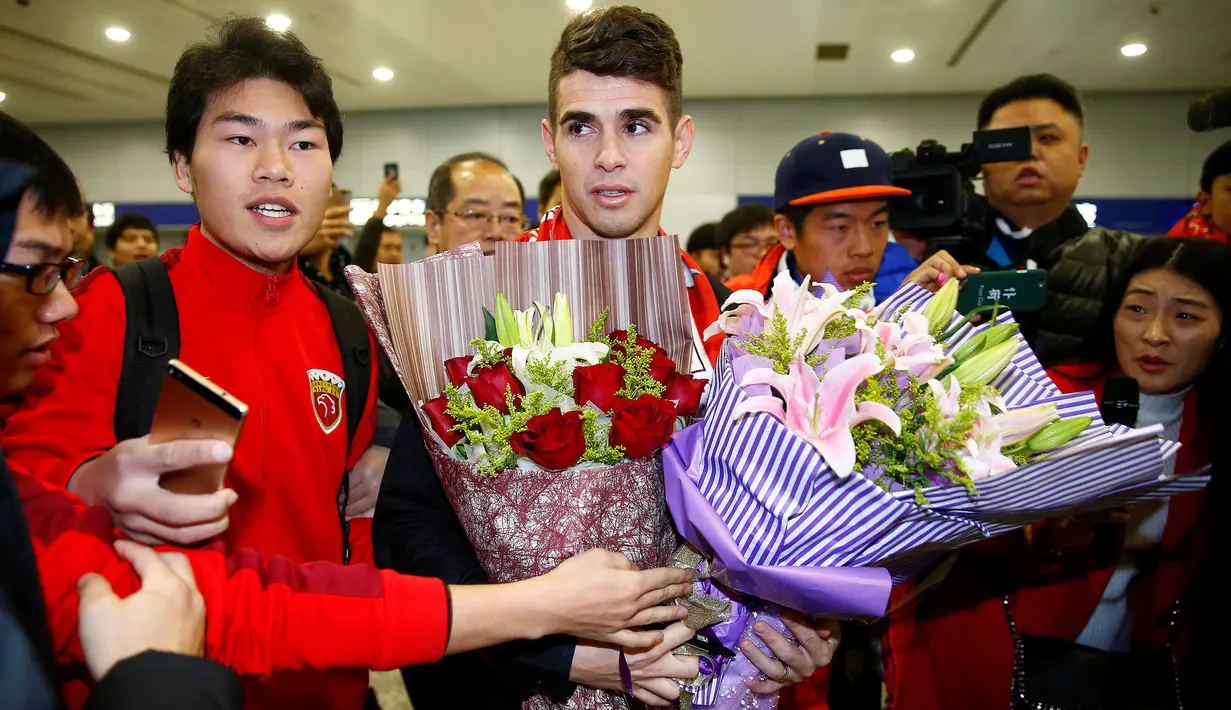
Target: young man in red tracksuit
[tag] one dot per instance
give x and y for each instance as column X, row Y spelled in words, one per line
column 616, row 130
column 263, row 614
column 252, row 131
column 252, row 135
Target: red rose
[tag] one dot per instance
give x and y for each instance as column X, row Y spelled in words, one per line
column 597, row 384
column 553, row 440
column 641, row 426
column 686, row 390
column 456, row 367
column 488, row 385
column 441, row 421
column 662, row 368
column 619, row 337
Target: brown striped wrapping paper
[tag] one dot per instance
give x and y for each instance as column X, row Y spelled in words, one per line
column 433, row 309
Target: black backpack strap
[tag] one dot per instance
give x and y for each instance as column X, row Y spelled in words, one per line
column 351, row 332
column 151, row 340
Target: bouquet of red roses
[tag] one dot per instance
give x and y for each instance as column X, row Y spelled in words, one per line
column 532, row 403
column 546, row 435
column 533, row 398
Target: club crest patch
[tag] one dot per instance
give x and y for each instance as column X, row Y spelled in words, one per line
column 326, row 389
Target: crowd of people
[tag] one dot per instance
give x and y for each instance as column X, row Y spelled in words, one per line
column 333, row 548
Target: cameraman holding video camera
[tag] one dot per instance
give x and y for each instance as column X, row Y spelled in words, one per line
column 1031, row 221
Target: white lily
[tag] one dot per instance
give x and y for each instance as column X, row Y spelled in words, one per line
column 1017, row 425
column 547, row 334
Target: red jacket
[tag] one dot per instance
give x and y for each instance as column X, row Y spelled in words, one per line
column 258, row 337
column 263, row 614
column 1195, row 224
column 954, row 651
column 701, row 299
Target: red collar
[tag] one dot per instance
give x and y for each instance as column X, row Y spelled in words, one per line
column 553, row 228
column 230, row 281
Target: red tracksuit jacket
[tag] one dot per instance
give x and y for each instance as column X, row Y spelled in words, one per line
column 263, row 614
column 262, row 338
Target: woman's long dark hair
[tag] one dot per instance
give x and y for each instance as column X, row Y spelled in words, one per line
column 1206, row 263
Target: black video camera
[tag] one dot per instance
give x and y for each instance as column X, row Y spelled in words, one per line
column 943, row 206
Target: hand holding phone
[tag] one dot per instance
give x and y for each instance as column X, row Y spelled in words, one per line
column 1017, row 291
column 190, row 407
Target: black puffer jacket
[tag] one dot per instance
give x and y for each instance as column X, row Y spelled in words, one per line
column 1082, row 264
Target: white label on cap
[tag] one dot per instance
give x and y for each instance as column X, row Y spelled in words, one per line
column 855, row 158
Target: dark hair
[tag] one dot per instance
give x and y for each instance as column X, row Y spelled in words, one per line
column 244, row 48
column 744, row 218
column 796, row 214
column 703, row 237
column 1216, row 165
column 1033, row 86
column 548, row 185
column 621, row 41
column 129, row 220
column 440, row 187
column 1204, row 262
column 55, row 189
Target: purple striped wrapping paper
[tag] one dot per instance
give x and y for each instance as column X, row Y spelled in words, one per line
column 764, row 504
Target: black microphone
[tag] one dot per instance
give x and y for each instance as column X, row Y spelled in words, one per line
column 1121, row 401
column 1210, row 113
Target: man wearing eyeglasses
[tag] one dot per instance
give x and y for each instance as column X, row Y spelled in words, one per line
column 473, row 197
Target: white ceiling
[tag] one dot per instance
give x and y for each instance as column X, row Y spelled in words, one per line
column 56, row 66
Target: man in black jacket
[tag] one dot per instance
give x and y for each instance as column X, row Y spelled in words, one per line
column 116, row 636
column 1032, row 222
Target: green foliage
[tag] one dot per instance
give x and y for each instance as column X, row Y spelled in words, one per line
column 598, row 450
column 775, row 343
column 598, row 327
column 490, row 353
column 488, row 428
column 929, row 444
column 844, row 326
column 636, row 361
column 554, row 374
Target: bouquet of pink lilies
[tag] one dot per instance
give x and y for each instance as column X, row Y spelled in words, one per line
column 880, row 393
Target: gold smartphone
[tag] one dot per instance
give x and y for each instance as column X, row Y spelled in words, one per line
column 192, row 407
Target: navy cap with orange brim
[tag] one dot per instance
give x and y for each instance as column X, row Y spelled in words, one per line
column 834, row 167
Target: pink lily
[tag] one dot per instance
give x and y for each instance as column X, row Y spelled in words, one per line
column 804, row 312
column 982, row 458
column 947, row 396
column 908, row 347
column 822, row 411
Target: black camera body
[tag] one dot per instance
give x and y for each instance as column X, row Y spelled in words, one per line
column 943, row 206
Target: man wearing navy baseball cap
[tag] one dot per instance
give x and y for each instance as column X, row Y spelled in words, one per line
column 832, row 194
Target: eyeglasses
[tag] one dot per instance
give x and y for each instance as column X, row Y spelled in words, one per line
column 753, row 245
column 41, row 279
column 474, row 219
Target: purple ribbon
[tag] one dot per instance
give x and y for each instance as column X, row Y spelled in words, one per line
column 845, row 591
column 626, row 674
